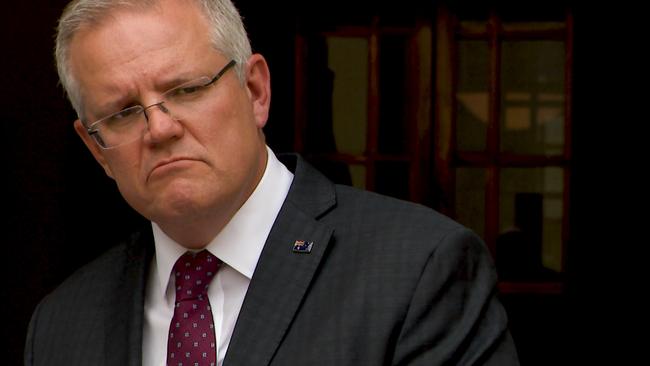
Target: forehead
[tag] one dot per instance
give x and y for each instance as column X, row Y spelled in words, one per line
column 132, row 45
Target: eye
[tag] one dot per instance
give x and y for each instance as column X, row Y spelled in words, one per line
column 190, row 89
column 186, row 90
column 122, row 118
column 125, row 113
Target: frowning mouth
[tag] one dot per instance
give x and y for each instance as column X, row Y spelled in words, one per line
column 168, row 164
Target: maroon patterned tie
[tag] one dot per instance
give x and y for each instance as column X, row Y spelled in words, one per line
column 191, row 332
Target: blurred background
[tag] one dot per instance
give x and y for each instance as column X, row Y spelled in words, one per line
column 478, row 111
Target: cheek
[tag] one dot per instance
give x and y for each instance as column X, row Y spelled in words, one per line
column 230, row 126
column 125, row 166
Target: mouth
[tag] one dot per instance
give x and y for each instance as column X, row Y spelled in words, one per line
column 168, row 164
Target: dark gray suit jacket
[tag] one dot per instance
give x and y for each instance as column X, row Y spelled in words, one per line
column 386, row 283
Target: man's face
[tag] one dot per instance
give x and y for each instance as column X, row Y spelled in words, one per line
column 188, row 170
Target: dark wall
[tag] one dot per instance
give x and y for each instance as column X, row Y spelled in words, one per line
column 40, row 227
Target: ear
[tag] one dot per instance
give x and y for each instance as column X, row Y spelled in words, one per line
column 97, row 152
column 258, row 82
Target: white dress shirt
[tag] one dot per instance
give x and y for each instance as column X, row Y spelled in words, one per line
column 238, row 245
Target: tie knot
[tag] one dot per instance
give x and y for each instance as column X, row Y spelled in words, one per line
column 193, row 273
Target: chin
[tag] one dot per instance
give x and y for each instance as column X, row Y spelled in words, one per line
column 176, row 200
column 184, row 200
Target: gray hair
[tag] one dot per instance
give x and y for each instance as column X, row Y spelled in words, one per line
column 228, row 35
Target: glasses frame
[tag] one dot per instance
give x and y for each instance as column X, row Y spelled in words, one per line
column 93, row 131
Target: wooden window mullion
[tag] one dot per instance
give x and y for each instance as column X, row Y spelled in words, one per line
column 444, row 131
column 568, row 123
column 373, row 105
column 419, row 121
column 493, row 169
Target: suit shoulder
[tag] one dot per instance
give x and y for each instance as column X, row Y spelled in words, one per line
column 371, row 222
column 100, row 274
column 384, row 212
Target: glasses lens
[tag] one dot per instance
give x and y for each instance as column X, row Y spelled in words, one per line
column 187, row 95
column 120, row 128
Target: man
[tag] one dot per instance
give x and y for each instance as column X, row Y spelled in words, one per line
column 284, row 268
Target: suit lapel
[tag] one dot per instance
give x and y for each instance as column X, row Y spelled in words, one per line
column 282, row 276
column 124, row 316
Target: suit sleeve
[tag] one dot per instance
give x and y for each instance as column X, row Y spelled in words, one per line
column 454, row 317
column 29, row 342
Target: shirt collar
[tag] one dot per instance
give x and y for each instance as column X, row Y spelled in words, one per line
column 240, row 242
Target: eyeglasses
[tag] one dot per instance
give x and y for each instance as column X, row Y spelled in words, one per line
column 131, row 123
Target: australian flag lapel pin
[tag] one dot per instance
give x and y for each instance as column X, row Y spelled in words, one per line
column 302, row 246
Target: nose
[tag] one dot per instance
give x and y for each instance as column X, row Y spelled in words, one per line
column 161, row 124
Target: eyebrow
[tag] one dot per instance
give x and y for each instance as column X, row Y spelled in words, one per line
column 162, row 85
column 116, row 105
column 108, row 107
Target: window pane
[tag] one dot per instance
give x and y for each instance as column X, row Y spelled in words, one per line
column 392, row 178
column 470, row 198
column 358, row 175
column 472, row 96
column 529, row 245
column 393, row 91
column 532, row 98
column 348, row 61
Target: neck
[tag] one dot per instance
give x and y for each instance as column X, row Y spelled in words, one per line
column 194, row 235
